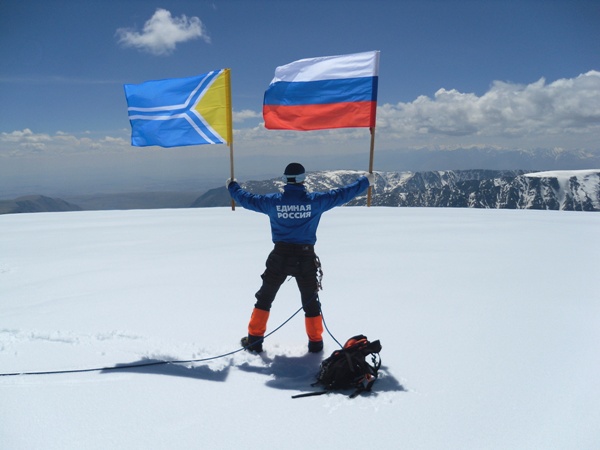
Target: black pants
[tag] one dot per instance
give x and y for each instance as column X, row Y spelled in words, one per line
column 299, row 261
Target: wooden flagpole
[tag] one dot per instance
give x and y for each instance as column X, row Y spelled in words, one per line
column 371, row 158
column 231, row 175
column 228, row 112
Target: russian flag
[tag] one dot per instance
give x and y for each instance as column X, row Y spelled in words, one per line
column 321, row 93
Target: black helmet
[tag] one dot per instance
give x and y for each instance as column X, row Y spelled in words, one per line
column 294, row 173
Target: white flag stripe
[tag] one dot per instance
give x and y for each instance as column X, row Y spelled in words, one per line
column 355, row 65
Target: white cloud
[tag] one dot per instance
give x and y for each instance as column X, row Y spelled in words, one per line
column 246, row 114
column 507, row 110
column 162, row 33
column 564, row 113
column 26, row 142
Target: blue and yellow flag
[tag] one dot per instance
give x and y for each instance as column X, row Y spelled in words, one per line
column 181, row 111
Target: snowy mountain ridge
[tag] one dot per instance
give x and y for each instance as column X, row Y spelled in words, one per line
column 496, row 189
column 568, row 190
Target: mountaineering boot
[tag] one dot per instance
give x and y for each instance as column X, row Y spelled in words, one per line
column 315, row 346
column 314, row 330
column 253, row 343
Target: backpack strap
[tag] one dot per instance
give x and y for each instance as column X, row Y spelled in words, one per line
column 310, row 394
column 372, row 347
column 355, row 394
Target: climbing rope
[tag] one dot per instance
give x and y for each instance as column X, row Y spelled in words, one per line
column 183, row 361
column 149, row 363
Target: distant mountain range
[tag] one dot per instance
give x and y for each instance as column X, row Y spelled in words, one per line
column 503, row 189
column 36, row 203
column 576, row 190
column 98, row 202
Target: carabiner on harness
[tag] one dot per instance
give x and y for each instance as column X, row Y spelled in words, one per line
column 319, row 274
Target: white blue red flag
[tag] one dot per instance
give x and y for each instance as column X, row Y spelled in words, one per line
column 321, row 93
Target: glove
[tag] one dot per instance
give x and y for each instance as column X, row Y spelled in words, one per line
column 229, row 181
column 371, row 178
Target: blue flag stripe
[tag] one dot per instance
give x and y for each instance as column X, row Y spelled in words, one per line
column 363, row 89
column 174, row 94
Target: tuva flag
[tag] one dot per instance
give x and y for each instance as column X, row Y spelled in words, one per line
column 181, row 111
column 321, row 93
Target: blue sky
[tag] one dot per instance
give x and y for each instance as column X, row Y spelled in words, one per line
column 505, row 74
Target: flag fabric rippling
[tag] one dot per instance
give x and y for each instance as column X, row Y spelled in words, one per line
column 325, row 92
column 181, row 111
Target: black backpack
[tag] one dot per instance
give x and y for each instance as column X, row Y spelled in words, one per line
column 348, row 367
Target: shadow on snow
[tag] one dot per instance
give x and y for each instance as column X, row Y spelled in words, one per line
column 295, row 373
column 298, row 373
column 161, row 367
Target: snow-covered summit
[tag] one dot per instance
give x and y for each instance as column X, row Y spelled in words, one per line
column 488, row 321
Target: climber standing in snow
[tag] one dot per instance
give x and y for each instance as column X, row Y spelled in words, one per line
column 294, row 215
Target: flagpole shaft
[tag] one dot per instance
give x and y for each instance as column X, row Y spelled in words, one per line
column 231, row 174
column 371, row 158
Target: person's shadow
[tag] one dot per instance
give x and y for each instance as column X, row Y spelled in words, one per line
column 297, row 373
column 173, row 369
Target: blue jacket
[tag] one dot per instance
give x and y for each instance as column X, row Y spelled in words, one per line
column 295, row 213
